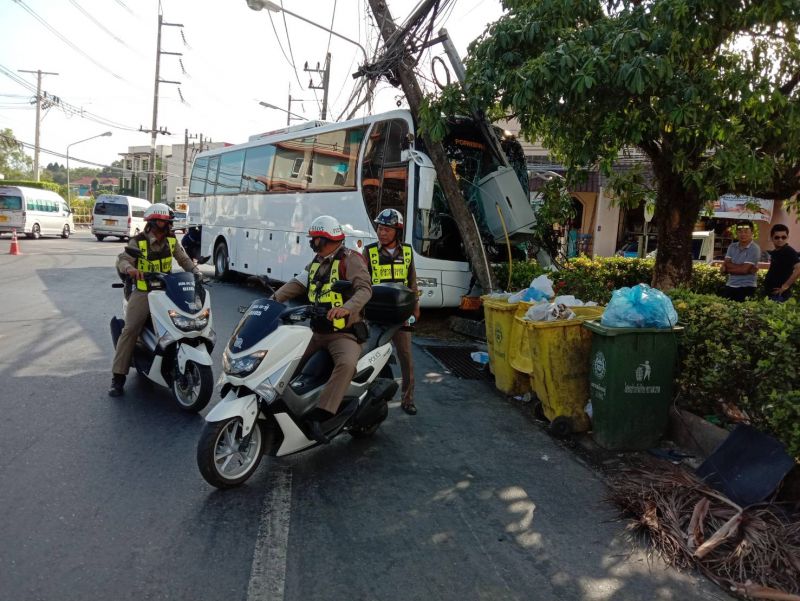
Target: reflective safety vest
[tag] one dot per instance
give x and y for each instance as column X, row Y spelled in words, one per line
column 320, row 292
column 384, row 269
column 154, row 262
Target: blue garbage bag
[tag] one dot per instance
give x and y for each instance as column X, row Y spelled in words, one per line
column 639, row 307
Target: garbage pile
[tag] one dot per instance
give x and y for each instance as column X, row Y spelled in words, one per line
column 753, row 552
column 639, row 307
column 545, row 305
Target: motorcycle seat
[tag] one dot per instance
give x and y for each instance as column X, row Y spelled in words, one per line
column 314, row 373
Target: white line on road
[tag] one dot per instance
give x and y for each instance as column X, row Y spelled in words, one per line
column 268, row 572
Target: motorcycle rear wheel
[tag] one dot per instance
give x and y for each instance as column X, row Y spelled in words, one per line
column 225, row 458
column 192, row 390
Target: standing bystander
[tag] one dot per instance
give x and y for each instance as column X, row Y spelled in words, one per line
column 784, row 265
column 741, row 264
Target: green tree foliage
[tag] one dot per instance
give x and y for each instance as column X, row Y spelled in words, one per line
column 14, row 163
column 706, row 89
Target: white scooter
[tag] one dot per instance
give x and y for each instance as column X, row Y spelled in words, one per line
column 174, row 347
column 265, row 393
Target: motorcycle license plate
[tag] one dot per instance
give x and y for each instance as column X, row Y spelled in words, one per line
column 110, row 221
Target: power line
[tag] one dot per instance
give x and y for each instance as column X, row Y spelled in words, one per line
column 89, row 16
column 56, row 33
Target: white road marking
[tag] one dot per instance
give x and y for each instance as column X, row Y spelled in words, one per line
column 268, row 572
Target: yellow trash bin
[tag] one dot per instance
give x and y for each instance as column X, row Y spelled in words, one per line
column 559, row 356
column 499, row 319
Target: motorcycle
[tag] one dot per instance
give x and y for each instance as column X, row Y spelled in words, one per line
column 174, row 347
column 267, row 393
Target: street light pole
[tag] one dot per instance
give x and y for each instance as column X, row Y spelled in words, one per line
column 271, row 6
column 108, row 133
column 277, row 108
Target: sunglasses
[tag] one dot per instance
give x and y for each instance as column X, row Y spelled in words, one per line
column 779, row 237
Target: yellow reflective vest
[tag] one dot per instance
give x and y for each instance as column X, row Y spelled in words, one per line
column 321, row 293
column 153, row 262
column 383, row 269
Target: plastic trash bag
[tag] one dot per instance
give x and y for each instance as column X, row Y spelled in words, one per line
column 548, row 312
column 529, row 295
column 544, row 284
column 639, row 307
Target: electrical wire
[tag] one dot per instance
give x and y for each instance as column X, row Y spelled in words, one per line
column 288, row 60
column 55, row 32
column 102, row 27
column 291, row 53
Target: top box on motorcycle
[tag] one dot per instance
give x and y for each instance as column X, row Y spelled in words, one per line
column 390, row 303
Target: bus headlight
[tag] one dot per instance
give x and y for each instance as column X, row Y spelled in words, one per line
column 242, row 366
column 190, row 324
column 427, row 282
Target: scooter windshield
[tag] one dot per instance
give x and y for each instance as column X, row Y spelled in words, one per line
column 259, row 321
column 182, row 290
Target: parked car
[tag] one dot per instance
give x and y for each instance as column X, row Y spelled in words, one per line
column 702, row 247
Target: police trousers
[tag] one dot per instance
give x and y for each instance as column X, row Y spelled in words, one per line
column 136, row 315
column 402, row 346
column 345, row 351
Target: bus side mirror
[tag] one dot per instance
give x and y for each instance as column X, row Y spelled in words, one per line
column 426, row 177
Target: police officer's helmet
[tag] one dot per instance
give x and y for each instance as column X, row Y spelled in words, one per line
column 326, row 226
column 390, row 218
column 158, row 211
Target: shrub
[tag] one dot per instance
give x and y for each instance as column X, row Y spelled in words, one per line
column 743, row 353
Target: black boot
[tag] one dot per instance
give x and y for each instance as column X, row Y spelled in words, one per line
column 117, row 382
column 315, row 419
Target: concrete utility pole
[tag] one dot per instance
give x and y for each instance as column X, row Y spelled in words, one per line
column 39, row 74
column 186, row 138
column 154, row 130
column 326, row 75
column 447, row 179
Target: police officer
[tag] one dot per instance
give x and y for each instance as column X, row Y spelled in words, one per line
column 336, row 333
column 390, row 260
column 158, row 246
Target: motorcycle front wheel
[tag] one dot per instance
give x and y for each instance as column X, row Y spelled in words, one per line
column 225, row 457
column 192, row 389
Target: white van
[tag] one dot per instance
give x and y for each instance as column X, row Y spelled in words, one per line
column 34, row 212
column 117, row 215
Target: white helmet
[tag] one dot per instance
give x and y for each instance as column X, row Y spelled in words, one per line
column 158, row 211
column 326, row 226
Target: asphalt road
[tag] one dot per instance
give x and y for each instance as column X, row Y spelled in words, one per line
column 101, row 499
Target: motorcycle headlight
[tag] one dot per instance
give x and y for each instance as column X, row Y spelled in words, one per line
column 242, row 366
column 190, row 324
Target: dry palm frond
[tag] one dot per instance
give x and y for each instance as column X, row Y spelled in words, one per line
column 691, row 524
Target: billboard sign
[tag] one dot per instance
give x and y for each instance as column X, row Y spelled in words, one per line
column 731, row 206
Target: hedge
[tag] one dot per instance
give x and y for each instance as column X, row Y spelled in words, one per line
column 52, row 186
column 745, row 353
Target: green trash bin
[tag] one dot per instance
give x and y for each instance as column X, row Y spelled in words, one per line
column 631, row 372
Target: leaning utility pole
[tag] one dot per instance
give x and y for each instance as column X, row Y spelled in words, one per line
column 186, row 138
column 151, row 172
column 465, row 221
column 325, row 72
column 39, row 74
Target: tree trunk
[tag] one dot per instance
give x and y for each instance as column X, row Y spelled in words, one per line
column 677, row 210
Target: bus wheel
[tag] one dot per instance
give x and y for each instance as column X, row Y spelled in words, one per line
column 65, row 232
column 221, row 265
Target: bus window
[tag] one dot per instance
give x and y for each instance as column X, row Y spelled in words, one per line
column 229, row 180
column 292, row 166
column 384, row 177
column 211, row 180
column 197, row 185
column 257, row 167
column 333, row 166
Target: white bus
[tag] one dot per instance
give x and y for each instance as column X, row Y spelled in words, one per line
column 34, row 212
column 256, row 200
column 118, row 215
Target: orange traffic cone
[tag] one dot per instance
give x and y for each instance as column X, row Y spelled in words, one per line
column 14, row 250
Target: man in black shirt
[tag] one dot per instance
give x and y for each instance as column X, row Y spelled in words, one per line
column 784, row 265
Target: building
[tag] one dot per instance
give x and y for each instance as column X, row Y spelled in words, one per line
column 83, row 186
column 172, row 169
column 602, row 227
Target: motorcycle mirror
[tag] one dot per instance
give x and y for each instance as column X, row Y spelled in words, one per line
column 203, row 260
column 340, row 286
column 117, row 285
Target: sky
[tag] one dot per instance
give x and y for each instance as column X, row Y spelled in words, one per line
column 232, row 57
